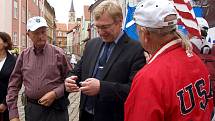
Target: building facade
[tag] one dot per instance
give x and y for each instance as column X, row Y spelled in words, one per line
column 61, row 35
column 73, row 39
column 6, row 16
column 49, row 15
column 14, row 16
column 21, row 11
column 74, row 34
column 85, row 28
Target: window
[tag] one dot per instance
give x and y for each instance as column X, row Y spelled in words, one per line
column 15, row 7
column 59, row 33
column 15, row 39
column 23, row 41
column 23, row 15
column 64, row 34
column 37, row 2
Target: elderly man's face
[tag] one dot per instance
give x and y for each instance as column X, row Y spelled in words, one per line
column 38, row 37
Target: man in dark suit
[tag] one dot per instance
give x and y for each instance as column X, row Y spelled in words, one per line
column 109, row 63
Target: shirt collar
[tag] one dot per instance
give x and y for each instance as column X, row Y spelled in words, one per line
column 164, row 48
column 119, row 36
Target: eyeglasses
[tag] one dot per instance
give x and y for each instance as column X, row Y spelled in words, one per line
column 103, row 27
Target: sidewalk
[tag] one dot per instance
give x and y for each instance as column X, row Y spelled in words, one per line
column 73, row 107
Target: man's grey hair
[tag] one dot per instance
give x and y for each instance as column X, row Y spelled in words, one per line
column 111, row 7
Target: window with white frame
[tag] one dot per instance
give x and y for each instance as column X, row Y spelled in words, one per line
column 15, row 7
column 59, row 33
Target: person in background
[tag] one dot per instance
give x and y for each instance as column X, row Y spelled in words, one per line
column 42, row 68
column 108, row 65
column 174, row 85
column 73, row 60
column 205, row 50
column 7, row 63
column 212, row 76
column 202, row 47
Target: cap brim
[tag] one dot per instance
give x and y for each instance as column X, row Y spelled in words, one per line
column 36, row 27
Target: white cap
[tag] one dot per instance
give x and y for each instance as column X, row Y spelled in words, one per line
column 151, row 13
column 197, row 42
column 202, row 23
column 35, row 23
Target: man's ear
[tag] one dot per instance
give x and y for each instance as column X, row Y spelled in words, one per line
column 145, row 33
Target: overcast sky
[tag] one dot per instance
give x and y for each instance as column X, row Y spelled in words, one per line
column 62, row 8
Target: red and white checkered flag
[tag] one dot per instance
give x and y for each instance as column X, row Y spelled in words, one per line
column 187, row 17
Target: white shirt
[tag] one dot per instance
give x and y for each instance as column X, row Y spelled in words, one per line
column 2, row 63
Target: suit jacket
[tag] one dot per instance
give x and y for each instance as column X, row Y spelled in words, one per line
column 125, row 60
column 5, row 75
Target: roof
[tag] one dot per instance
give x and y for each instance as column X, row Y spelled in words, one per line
column 71, row 26
column 72, row 7
column 61, row 27
column 86, row 13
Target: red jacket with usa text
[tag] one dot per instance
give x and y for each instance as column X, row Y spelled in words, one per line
column 172, row 87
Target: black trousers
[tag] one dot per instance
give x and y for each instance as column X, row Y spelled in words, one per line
column 4, row 116
column 85, row 116
column 37, row 112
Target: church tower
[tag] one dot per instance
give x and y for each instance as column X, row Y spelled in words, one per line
column 72, row 13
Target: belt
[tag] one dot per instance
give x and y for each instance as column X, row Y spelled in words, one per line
column 35, row 101
column 60, row 104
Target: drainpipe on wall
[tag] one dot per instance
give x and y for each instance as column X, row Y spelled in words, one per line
column 26, row 19
column 20, row 22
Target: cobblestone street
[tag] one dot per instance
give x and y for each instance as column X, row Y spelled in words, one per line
column 73, row 107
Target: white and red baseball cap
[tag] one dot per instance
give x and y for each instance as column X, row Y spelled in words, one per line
column 151, row 13
column 35, row 23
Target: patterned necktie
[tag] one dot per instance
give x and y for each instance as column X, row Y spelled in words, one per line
column 102, row 61
column 103, row 58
